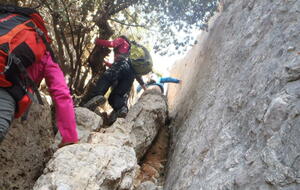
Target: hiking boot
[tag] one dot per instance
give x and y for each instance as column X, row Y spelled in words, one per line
column 112, row 118
column 94, row 102
column 122, row 112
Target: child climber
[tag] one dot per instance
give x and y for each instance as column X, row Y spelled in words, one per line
column 160, row 83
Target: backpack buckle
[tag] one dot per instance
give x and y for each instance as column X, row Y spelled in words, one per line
column 27, row 80
column 10, row 60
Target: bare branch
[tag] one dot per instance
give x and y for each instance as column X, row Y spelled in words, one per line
column 121, row 7
column 126, row 24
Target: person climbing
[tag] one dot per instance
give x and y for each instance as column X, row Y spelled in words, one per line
column 159, row 82
column 25, row 59
column 120, row 75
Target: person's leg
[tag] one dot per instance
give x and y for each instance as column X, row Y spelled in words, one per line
column 118, row 100
column 119, row 105
column 7, row 111
column 119, row 95
column 96, row 97
column 103, row 83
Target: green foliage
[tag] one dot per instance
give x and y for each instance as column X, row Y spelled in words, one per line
column 175, row 18
column 74, row 24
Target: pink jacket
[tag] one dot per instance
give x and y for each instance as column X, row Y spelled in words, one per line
column 59, row 91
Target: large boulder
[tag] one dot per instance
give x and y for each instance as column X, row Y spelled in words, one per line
column 86, row 122
column 108, row 161
column 89, row 166
column 26, row 149
column 145, row 119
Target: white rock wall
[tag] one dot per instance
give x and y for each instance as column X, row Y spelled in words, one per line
column 237, row 113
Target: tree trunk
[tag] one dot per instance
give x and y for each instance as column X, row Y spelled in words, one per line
column 61, row 59
column 96, row 59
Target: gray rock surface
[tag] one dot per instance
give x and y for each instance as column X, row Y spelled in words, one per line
column 148, row 185
column 108, row 161
column 26, row 149
column 145, row 118
column 86, row 122
column 238, row 116
column 89, row 166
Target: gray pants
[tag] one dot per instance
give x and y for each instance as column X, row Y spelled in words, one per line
column 7, row 111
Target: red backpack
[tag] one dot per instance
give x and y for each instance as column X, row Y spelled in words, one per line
column 23, row 42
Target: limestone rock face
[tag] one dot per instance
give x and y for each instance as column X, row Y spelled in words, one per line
column 26, row 149
column 238, row 116
column 109, row 158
